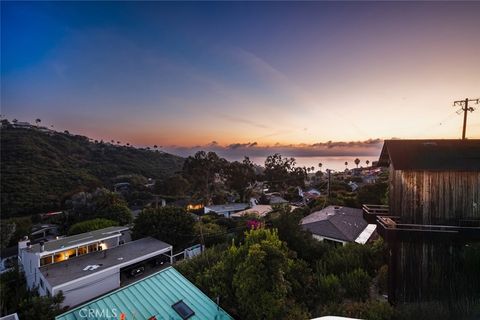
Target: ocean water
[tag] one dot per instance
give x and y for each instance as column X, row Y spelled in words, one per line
column 333, row 163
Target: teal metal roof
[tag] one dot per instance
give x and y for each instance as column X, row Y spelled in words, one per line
column 152, row 296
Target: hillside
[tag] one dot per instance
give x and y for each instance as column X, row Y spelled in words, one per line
column 39, row 169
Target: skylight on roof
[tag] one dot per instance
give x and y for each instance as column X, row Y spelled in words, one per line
column 183, row 310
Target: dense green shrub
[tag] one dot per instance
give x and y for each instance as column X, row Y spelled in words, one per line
column 91, row 225
column 170, row 224
column 356, row 284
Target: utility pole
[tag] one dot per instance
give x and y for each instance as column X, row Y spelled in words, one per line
column 465, row 108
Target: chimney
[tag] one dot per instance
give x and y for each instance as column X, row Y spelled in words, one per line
column 23, row 244
column 336, row 209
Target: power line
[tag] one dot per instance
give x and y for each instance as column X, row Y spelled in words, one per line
column 465, row 108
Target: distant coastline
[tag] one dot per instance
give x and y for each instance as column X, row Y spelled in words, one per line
column 336, row 163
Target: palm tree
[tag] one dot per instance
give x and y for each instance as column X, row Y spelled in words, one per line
column 118, row 142
column 368, row 162
column 37, row 121
column 320, row 166
column 312, row 168
column 128, row 144
column 357, row 162
column 155, row 146
column 346, row 165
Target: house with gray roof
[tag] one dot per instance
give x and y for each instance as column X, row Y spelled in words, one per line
column 338, row 224
column 226, row 210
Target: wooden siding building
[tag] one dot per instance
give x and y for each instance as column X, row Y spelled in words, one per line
column 433, row 219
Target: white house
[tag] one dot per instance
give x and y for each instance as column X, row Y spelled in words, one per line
column 32, row 257
column 88, row 276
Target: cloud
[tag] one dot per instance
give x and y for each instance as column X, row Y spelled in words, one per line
column 343, row 144
column 236, row 151
column 241, row 145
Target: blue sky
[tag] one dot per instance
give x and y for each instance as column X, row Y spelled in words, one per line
column 276, row 73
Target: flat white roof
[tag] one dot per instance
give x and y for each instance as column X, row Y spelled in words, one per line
column 366, row 234
column 85, row 265
column 78, row 239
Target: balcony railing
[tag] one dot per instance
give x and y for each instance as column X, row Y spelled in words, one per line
column 392, row 230
column 372, row 211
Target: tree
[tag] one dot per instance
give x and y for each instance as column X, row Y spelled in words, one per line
column 356, row 284
column 203, row 170
column 37, row 121
column 367, row 162
column 117, row 212
column 373, row 194
column 41, row 308
column 258, row 279
column 281, row 172
column 174, row 186
column 320, row 166
column 260, row 287
column 289, row 230
column 170, row 224
column 239, row 176
column 91, row 225
column 7, row 230
column 329, row 288
column 357, row 162
column 210, row 233
column 13, row 290
column 346, row 165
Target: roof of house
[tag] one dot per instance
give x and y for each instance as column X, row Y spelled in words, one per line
column 227, row 207
column 78, row 239
column 259, row 209
column 154, row 296
column 277, row 200
column 342, row 223
column 75, row 268
column 434, row 155
column 12, row 316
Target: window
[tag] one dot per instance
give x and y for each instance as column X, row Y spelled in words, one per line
column 183, row 310
column 58, row 257
column 82, row 250
column 70, row 253
column 46, row 260
column 93, row 247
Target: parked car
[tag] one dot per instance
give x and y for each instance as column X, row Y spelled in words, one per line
column 135, row 272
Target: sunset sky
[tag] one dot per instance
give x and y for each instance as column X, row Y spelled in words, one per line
column 243, row 77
